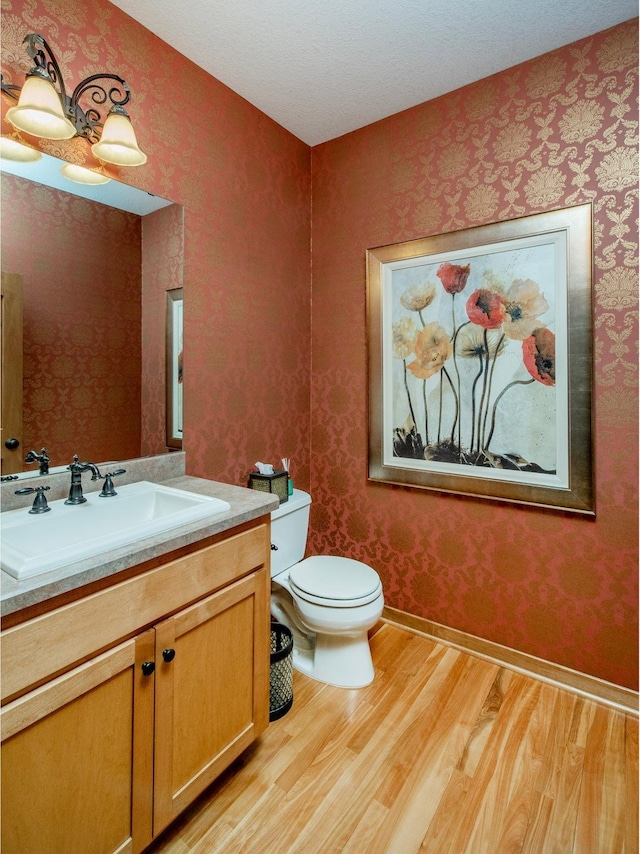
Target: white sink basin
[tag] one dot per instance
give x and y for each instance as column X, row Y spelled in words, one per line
column 33, row 544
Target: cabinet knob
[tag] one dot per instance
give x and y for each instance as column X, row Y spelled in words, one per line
column 168, row 654
column 148, row 667
column 11, row 444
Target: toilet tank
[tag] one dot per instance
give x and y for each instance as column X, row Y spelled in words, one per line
column 289, row 526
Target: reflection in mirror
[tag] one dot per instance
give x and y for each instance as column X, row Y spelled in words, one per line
column 175, row 325
column 91, row 280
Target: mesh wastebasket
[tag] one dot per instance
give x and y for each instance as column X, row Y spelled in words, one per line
column 281, row 672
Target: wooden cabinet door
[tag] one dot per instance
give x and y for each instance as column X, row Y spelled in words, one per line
column 75, row 754
column 212, row 694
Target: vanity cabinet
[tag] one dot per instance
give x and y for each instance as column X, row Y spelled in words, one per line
column 67, row 766
column 124, row 705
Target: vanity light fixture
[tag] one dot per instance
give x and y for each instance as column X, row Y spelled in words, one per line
column 45, row 110
column 11, row 149
column 80, row 175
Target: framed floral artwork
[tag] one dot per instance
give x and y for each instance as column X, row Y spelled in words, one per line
column 480, row 361
column 175, row 303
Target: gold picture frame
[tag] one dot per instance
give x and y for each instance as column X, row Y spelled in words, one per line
column 174, row 367
column 480, row 361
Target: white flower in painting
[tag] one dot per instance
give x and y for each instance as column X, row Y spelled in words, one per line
column 524, row 303
column 404, row 337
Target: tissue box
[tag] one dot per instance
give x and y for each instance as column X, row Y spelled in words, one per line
column 275, row 483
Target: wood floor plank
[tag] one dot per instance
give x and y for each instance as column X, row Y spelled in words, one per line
column 388, row 754
column 430, row 762
column 383, row 758
column 613, row 794
column 366, row 830
column 553, row 829
column 444, row 753
column 481, row 815
column 506, row 785
column 484, row 724
column 539, row 836
column 451, row 810
column 525, row 802
column 398, row 687
column 592, row 819
column 356, row 788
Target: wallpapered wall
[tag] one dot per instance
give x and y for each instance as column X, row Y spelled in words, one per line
column 556, row 131
column 244, row 183
column 560, row 130
column 82, row 357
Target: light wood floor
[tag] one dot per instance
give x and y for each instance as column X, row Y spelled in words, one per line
column 443, row 753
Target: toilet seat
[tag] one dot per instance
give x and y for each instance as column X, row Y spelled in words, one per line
column 335, row 582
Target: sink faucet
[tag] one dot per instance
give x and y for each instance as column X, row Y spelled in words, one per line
column 76, row 468
column 42, row 458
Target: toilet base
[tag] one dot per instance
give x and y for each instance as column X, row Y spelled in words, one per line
column 329, row 644
column 343, row 661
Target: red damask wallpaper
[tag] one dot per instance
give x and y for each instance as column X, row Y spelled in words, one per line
column 82, row 357
column 556, row 131
column 244, row 183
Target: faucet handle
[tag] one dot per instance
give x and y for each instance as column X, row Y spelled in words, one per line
column 108, row 489
column 40, row 501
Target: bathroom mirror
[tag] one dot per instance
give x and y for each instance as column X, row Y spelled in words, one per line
column 94, row 296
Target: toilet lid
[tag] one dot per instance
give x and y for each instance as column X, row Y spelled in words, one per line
column 335, row 580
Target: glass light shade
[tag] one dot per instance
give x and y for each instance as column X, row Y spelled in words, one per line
column 118, row 142
column 83, row 176
column 39, row 111
column 11, row 149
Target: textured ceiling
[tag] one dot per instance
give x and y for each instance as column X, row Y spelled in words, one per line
column 322, row 68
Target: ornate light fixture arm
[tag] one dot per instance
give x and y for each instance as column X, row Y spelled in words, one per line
column 45, row 65
column 10, row 89
column 88, row 122
column 45, row 110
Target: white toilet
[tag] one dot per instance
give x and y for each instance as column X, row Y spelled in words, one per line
column 329, row 603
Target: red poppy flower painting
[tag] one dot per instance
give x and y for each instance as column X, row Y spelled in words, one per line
column 457, row 367
column 539, row 355
column 453, row 277
column 486, row 309
column 476, row 372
